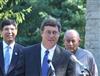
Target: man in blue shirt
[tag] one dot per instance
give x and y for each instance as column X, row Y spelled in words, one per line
column 10, row 51
column 71, row 42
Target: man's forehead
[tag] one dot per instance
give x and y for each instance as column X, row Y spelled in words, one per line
column 71, row 35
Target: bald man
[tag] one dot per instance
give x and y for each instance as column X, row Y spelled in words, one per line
column 71, row 43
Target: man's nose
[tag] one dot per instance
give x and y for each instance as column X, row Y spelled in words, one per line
column 9, row 31
column 71, row 43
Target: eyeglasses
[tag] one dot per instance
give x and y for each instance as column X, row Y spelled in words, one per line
column 48, row 32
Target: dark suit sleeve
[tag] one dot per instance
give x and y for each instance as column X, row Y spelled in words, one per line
column 70, row 69
column 20, row 71
column 71, row 66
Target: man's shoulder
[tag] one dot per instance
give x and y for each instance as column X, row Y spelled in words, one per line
column 62, row 50
column 33, row 46
column 32, row 50
column 86, row 52
column 19, row 45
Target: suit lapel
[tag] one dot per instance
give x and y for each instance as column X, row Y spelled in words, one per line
column 14, row 58
column 1, row 57
column 55, row 60
column 56, row 57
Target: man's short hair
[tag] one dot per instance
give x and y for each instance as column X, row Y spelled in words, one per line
column 51, row 21
column 7, row 22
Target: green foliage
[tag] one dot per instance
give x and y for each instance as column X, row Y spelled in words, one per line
column 15, row 9
column 30, row 13
column 70, row 12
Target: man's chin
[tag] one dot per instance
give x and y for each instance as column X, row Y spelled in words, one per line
column 10, row 41
column 50, row 46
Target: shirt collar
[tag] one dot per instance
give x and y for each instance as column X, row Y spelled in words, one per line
column 43, row 48
column 5, row 45
column 51, row 51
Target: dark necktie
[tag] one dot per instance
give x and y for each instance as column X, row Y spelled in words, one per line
column 7, row 59
column 45, row 65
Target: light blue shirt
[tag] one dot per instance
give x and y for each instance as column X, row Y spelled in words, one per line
column 5, row 45
column 86, row 58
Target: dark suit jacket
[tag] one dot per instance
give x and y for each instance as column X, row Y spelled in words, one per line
column 31, row 62
column 15, row 57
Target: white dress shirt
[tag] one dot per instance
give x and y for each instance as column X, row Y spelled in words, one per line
column 50, row 55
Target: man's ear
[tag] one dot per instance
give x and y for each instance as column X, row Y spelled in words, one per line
column 79, row 40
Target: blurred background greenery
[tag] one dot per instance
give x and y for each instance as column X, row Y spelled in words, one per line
column 29, row 14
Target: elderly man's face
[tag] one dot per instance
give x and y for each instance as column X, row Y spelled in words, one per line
column 71, row 42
